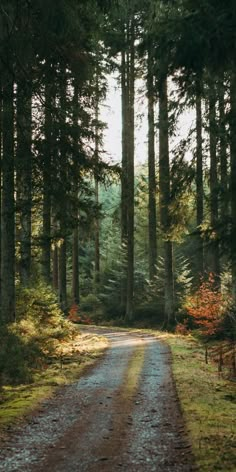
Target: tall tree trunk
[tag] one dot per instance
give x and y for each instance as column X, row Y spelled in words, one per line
column 130, row 175
column 47, row 167
column 125, row 98
column 214, row 248
column 124, row 183
column 199, row 177
column 8, row 205
column 164, row 176
column 224, row 208
column 97, row 226
column 233, row 180
column 75, row 242
column 224, row 192
column 24, row 176
column 0, row 185
column 63, row 202
column 152, row 220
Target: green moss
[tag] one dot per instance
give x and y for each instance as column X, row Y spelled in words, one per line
column 206, row 400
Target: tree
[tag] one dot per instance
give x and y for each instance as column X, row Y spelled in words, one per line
column 199, row 175
column 24, row 174
column 164, row 184
column 214, row 249
column 8, row 203
column 151, row 169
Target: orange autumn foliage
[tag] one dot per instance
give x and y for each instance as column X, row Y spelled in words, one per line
column 75, row 317
column 207, row 307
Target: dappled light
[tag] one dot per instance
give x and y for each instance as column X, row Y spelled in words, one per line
column 118, row 235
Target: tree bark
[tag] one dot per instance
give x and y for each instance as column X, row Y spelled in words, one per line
column 224, row 207
column 97, row 226
column 47, row 166
column 24, row 176
column 75, row 243
column 214, row 245
column 199, row 178
column 152, row 220
column 1, row 111
column 8, row 205
column 125, row 97
column 164, row 176
column 63, row 203
column 130, row 189
column 124, row 182
column 233, row 180
column 55, row 268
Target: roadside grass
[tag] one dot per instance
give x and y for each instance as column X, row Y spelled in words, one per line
column 72, row 359
column 208, row 403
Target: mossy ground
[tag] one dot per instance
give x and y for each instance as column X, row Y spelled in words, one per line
column 208, row 403
column 74, row 357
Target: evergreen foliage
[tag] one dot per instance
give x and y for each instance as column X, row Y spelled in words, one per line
column 108, row 235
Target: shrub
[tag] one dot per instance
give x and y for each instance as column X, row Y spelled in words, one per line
column 39, row 328
column 182, row 328
column 75, row 316
column 208, row 308
column 90, row 303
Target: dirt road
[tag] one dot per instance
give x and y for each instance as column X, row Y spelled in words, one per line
column 123, row 414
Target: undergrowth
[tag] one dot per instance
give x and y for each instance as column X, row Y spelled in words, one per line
column 35, row 336
column 208, row 402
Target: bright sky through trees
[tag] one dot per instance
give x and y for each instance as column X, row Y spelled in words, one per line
column 111, row 115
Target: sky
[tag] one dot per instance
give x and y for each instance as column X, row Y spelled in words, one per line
column 111, row 114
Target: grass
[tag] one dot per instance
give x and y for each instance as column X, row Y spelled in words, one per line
column 208, row 403
column 72, row 360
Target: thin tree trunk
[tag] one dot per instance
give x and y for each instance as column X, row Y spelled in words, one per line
column 75, row 243
column 55, row 255
column 8, row 205
column 124, row 181
column 233, row 180
column 24, row 176
column 62, row 270
column 214, row 248
column 124, row 88
column 0, row 184
column 47, row 165
column 55, row 268
column 130, row 189
column 63, row 203
column 75, row 266
column 164, row 176
column 224, row 208
column 199, row 178
column 151, row 173
column 97, row 226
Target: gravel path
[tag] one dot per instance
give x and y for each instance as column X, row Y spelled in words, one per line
column 123, row 414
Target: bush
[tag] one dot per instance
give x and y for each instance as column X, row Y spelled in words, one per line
column 35, row 336
column 208, row 308
column 90, row 303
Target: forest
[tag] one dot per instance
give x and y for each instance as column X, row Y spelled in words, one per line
column 89, row 240
column 116, row 241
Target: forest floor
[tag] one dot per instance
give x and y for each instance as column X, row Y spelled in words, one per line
column 122, row 414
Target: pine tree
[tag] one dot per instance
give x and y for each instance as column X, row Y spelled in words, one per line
column 151, row 170
column 164, row 184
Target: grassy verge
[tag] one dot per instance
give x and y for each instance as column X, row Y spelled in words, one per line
column 74, row 357
column 208, row 403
